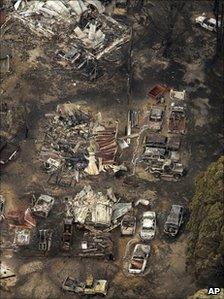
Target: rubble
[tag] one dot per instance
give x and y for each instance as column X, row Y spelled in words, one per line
column 21, row 218
column 95, row 208
column 89, row 287
column 43, row 206
column 22, row 236
column 5, row 272
column 107, row 145
column 158, row 91
column 97, row 244
column 45, row 239
column 91, row 33
column 76, row 144
column 7, row 277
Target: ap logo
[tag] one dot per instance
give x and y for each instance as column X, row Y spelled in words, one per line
column 214, row 291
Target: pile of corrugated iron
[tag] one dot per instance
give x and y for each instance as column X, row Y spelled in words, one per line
column 106, row 141
column 76, row 145
column 92, row 208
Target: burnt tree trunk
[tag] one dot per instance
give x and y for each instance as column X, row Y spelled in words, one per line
column 219, row 15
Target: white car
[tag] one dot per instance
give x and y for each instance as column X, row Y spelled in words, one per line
column 139, row 259
column 207, row 23
column 148, row 227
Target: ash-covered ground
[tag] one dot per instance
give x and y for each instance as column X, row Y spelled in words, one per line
column 38, row 84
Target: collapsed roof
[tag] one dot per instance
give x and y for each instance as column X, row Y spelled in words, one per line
column 87, row 26
column 79, row 144
column 90, row 207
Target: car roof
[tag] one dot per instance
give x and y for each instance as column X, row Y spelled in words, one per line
column 46, row 198
column 173, row 217
column 155, row 138
column 148, row 223
column 211, row 20
column 149, row 214
column 156, row 110
column 141, row 249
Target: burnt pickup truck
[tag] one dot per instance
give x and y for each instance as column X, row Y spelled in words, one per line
column 8, row 151
column 155, row 118
column 177, row 117
column 89, row 287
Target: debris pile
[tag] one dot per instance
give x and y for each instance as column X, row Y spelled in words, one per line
column 20, row 218
column 22, row 222
column 90, row 33
column 7, row 277
column 75, row 145
column 90, row 286
column 96, row 244
column 22, row 236
column 95, row 208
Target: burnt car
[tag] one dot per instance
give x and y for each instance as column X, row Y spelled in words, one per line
column 22, row 236
column 177, row 117
column 153, row 153
column 67, row 234
column 128, row 225
column 155, row 118
column 167, row 169
column 173, row 143
column 51, row 165
column 155, row 147
column 174, row 220
column 139, row 259
column 90, row 286
column 45, row 238
column 43, row 206
column 156, row 141
column 8, row 151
